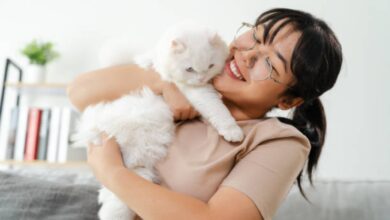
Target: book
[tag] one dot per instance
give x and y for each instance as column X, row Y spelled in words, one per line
column 32, row 139
column 54, row 130
column 44, row 134
column 63, row 144
column 12, row 133
column 4, row 130
column 21, row 133
column 75, row 152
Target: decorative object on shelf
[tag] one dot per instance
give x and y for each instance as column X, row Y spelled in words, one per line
column 39, row 55
column 9, row 64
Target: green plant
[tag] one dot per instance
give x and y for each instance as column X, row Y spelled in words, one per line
column 40, row 53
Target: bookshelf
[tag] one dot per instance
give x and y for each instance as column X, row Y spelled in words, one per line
column 21, row 155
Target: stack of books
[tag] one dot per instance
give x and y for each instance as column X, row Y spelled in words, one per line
column 31, row 133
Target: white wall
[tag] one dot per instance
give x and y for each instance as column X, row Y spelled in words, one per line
column 358, row 143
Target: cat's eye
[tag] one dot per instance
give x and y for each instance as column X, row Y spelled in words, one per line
column 211, row 66
column 190, row 69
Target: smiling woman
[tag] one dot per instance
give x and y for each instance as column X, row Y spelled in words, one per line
column 301, row 56
column 286, row 60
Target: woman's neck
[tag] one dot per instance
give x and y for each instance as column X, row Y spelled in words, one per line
column 239, row 113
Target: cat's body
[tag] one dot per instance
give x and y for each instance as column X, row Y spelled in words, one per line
column 142, row 123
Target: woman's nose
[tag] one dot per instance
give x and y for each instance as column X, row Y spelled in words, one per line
column 250, row 57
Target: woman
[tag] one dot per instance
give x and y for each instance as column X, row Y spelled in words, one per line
column 286, row 60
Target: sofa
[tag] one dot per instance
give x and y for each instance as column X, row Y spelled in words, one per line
column 29, row 193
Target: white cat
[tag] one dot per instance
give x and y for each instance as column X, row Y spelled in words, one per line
column 190, row 55
column 142, row 122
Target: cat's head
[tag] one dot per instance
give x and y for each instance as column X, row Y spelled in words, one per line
column 194, row 55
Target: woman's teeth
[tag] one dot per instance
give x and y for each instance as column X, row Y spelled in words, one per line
column 234, row 70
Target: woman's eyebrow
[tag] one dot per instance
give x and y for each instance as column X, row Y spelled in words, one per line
column 284, row 61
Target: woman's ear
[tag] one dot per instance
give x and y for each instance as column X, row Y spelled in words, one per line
column 288, row 102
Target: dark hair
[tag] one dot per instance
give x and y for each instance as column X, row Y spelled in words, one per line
column 316, row 63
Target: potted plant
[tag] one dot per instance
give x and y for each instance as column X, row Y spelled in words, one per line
column 39, row 55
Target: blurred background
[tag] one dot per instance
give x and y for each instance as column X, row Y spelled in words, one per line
column 358, row 139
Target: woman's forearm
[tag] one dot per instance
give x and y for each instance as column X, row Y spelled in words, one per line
column 109, row 84
column 151, row 201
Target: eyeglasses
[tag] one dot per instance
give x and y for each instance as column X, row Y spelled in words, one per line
column 246, row 40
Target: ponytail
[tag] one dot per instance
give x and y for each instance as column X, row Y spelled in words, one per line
column 309, row 118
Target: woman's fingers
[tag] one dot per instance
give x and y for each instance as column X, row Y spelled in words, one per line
column 177, row 102
column 193, row 114
column 186, row 114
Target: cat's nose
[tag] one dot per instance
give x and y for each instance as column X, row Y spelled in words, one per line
column 205, row 80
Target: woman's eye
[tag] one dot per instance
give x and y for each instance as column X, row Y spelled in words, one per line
column 211, row 66
column 190, row 69
column 270, row 67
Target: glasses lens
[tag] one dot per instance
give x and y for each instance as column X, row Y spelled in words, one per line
column 261, row 69
column 243, row 39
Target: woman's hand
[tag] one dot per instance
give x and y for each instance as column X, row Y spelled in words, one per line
column 178, row 103
column 105, row 159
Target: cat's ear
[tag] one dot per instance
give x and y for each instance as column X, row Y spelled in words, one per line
column 215, row 40
column 177, row 46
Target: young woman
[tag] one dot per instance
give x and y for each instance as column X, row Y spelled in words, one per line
column 287, row 59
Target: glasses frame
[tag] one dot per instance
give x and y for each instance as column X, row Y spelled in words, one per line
column 269, row 63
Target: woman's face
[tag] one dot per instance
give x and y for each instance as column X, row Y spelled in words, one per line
column 249, row 98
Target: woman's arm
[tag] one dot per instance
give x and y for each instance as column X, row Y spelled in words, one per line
column 109, row 84
column 151, row 201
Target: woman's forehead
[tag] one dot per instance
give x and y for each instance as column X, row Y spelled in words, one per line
column 283, row 43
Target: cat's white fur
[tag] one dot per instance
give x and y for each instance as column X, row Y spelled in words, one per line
column 142, row 122
column 189, row 45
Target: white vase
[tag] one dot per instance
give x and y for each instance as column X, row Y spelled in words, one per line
column 34, row 74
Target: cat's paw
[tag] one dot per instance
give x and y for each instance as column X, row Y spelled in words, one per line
column 232, row 133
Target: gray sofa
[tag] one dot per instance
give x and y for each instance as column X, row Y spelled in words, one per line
column 338, row 200
column 41, row 193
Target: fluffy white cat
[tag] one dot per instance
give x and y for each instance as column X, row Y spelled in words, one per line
column 190, row 55
column 142, row 123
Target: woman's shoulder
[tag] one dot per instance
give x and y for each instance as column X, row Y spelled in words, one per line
column 271, row 126
column 271, row 129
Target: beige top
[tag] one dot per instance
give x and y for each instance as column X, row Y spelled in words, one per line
column 264, row 166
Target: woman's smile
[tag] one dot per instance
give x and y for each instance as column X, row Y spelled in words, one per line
column 231, row 68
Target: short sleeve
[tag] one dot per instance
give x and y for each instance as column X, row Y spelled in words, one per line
column 267, row 173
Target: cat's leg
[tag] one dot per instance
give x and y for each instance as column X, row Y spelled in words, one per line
column 210, row 106
column 112, row 208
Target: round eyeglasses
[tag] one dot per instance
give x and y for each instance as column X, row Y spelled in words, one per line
column 246, row 40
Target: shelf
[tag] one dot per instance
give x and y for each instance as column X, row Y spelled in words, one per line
column 44, row 163
column 37, row 85
column 40, row 88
